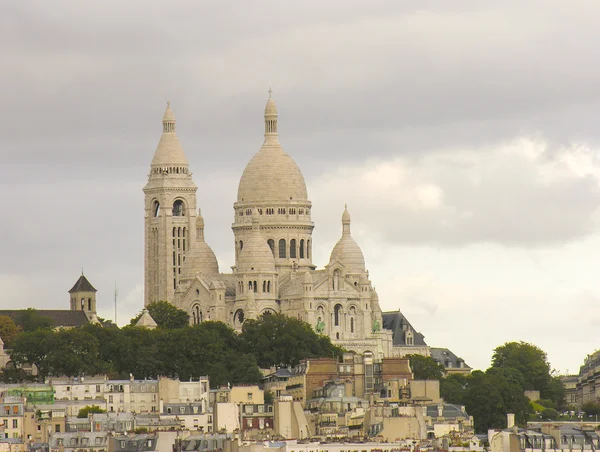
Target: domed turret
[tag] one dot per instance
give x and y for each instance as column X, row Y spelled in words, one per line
column 346, row 250
column 256, row 255
column 200, row 259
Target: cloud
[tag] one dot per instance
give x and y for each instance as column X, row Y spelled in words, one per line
column 516, row 194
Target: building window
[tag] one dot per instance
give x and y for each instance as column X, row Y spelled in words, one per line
column 156, row 209
column 302, row 249
column 15, row 423
column 270, row 211
column 308, row 250
column 178, row 210
column 254, row 286
column 293, row 248
column 241, row 245
column 282, row 249
column 249, row 396
column 336, row 314
column 352, row 324
column 271, row 244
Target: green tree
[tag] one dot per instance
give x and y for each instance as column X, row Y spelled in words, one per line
column 591, row 408
column 30, row 320
column 165, row 315
column 83, row 413
column 528, row 359
column 34, row 347
column 484, row 402
column 453, row 388
column 279, row 340
column 549, row 414
column 8, row 330
column 426, row 368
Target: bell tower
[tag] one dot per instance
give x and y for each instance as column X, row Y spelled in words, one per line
column 170, row 215
column 83, row 296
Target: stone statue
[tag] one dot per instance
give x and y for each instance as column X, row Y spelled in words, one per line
column 320, row 325
column 376, row 326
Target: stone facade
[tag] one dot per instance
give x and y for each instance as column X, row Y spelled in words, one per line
column 273, row 271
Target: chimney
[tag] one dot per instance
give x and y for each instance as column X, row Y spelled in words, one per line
column 510, row 420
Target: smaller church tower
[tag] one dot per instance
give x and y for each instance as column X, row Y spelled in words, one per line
column 83, row 296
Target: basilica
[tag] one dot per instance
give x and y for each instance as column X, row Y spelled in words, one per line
column 273, row 270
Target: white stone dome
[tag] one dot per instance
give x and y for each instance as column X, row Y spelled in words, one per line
column 271, row 175
column 200, row 259
column 346, row 250
column 256, row 254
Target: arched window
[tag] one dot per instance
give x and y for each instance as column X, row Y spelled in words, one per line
column 89, row 304
column 308, row 250
column 271, row 244
column 268, row 286
column 156, row 208
column 178, row 210
column 282, row 249
column 352, row 324
column 264, row 286
column 255, row 287
column 249, row 285
column 238, row 317
column 241, row 245
column 337, row 310
column 302, row 249
column 293, row 248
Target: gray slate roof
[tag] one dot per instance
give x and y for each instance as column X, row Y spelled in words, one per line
column 59, row 317
column 397, row 323
column 82, row 285
column 445, row 356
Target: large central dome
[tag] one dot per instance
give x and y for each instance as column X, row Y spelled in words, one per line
column 271, row 175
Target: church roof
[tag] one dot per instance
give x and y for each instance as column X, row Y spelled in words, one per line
column 228, row 279
column 59, row 317
column 146, row 320
column 289, row 286
column 398, row 324
column 82, row 285
column 445, row 356
column 271, row 175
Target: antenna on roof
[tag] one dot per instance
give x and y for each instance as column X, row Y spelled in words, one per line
column 116, row 293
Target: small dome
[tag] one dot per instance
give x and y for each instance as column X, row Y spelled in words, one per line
column 199, row 220
column 346, row 250
column 200, row 259
column 307, row 278
column 270, row 108
column 256, row 255
column 348, row 253
column 374, row 296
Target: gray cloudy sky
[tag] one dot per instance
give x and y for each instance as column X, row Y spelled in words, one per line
column 463, row 135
